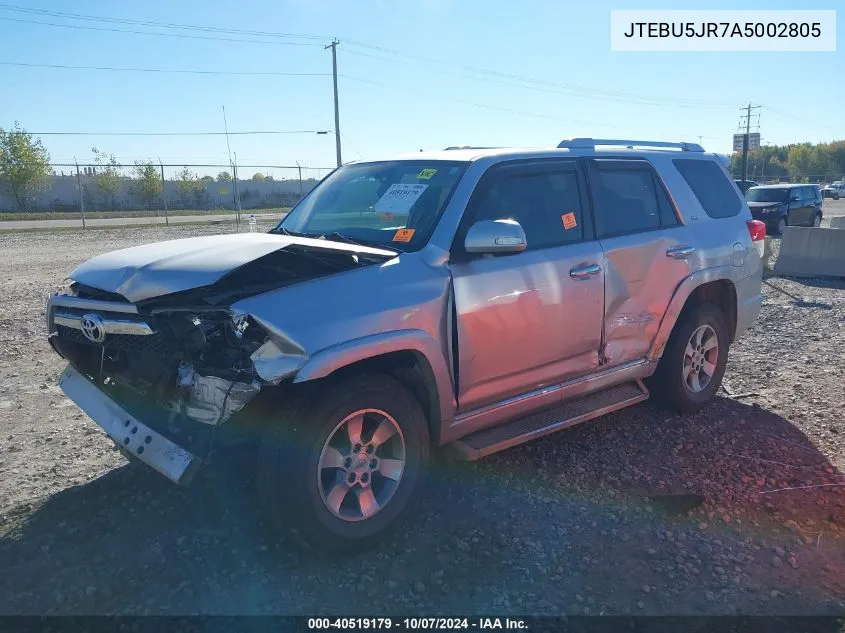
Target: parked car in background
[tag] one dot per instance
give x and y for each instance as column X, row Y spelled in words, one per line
column 745, row 185
column 476, row 298
column 834, row 190
column 785, row 205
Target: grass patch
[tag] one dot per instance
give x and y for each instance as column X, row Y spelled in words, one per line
column 99, row 215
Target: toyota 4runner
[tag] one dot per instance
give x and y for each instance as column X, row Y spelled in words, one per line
column 469, row 298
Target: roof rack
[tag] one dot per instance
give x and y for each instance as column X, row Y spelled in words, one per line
column 592, row 143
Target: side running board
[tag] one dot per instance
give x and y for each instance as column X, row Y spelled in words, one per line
column 569, row 413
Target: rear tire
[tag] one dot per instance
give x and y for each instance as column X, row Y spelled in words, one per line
column 817, row 220
column 692, row 366
column 337, row 493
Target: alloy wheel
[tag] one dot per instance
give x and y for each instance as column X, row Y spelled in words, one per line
column 361, row 465
column 700, row 357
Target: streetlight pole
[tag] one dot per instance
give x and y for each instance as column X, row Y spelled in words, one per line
column 333, row 46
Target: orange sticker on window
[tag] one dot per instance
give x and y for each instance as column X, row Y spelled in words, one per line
column 569, row 221
column 403, row 235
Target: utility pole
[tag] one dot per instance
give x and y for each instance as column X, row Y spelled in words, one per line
column 237, row 193
column 746, row 137
column 164, row 193
column 81, row 197
column 333, row 46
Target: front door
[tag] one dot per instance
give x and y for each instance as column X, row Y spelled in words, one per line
column 647, row 253
column 532, row 319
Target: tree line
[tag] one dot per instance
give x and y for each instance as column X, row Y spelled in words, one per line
column 799, row 162
column 25, row 171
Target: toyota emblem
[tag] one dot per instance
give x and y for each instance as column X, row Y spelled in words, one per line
column 93, row 327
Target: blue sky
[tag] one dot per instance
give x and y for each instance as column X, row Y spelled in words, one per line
column 421, row 93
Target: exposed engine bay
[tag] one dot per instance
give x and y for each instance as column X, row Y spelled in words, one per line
column 185, row 362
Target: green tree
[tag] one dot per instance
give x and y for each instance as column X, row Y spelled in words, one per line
column 191, row 187
column 258, row 177
column 224, row 176
column 797, row 162
column 107, row 176
column 147, row 182
column 24, row 165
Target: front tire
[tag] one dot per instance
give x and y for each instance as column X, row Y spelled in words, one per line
column 344, row 465
column 692, row 366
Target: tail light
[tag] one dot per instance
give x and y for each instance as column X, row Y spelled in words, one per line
column 757, row 229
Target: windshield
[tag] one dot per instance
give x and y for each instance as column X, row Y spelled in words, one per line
column 393, row 204
column 762, row 194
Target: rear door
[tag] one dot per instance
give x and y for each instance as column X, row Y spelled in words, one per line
column 646, row 250
column 809, row 208
column 528, row 320
column 797, row 206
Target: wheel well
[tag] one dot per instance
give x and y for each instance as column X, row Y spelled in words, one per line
column 722, row 293
column 412, row 369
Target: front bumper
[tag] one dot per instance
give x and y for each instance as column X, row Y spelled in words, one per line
column 131, row 435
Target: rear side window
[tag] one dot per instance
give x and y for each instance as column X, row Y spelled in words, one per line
column 629, row 198
column 626, row 201
column 710, row 186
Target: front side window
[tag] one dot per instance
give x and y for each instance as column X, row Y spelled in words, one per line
column 547, row 204
column 392, row 204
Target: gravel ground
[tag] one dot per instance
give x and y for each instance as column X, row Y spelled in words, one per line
column 640, row 512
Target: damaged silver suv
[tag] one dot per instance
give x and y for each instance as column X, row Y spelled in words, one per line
column 469, row 298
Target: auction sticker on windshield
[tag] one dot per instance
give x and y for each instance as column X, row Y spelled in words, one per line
column 399, row 198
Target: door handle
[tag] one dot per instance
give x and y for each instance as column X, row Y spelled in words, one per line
column 680, row 252
column 585, row 271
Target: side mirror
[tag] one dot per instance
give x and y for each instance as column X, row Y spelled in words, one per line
column 495, row 237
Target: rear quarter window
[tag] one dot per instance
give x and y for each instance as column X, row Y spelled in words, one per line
column 711, row 187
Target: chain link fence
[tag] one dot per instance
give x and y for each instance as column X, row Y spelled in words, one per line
column 148, row 189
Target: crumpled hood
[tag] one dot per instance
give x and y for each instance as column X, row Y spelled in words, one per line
column 153, row 270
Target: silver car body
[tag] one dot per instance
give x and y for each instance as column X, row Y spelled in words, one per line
column 494, row 337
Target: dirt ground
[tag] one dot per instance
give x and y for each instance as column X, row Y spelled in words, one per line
column 641, row 512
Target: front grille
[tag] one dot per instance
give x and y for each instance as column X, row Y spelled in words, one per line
column 87, row 292
column 152, row 344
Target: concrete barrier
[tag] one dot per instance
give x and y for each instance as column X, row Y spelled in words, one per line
column 767, row 251
column 837, row 222
column 811, row 252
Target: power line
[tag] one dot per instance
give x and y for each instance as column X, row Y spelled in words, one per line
column 527, row 79
column 167, row 70
column 441, row 97
column 778, row 113
column 176, row 35
column 164, row 25
column 573, row 90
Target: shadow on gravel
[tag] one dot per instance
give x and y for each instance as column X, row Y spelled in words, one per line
column 837, row 283
column 640, row 512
